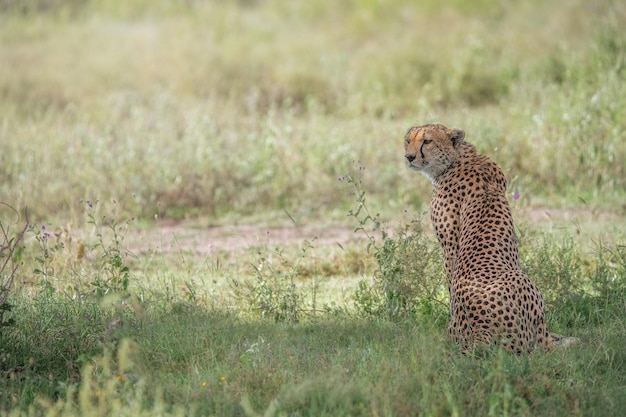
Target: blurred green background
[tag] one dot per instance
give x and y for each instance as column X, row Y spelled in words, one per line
column 236, row 111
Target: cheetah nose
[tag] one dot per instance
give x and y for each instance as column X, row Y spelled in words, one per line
column 410, row 157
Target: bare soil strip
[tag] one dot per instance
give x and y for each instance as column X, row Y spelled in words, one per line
column 176, row 237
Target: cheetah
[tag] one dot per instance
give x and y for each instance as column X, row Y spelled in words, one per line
column 491, row 300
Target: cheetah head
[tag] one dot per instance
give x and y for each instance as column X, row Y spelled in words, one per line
column 431, row 149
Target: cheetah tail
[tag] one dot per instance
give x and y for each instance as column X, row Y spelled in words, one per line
column 562, row 341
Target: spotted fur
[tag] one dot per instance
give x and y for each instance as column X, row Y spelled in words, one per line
column 491, row 300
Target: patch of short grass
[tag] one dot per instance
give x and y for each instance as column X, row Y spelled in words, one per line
column 215, row 363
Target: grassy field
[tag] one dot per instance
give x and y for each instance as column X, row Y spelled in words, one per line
column 119, row 119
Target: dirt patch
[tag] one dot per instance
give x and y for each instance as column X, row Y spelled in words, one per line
column 176, row 237
column 181, row 237
column 541, row 215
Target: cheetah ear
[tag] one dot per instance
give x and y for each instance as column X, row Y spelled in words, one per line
column 457, row 136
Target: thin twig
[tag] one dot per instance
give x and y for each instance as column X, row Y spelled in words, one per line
column 11, row 246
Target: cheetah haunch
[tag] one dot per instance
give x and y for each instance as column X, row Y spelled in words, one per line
column 491, row 300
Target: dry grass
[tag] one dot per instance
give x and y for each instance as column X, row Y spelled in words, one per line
column 228, row 110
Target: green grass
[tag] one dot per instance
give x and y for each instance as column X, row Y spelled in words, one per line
column 123, row 116
column 175, row 342
column 215, row 363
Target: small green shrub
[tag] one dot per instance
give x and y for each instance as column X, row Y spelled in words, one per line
column 113, row 274
column 409, row 280
column 274, row 292
column 10, row 253
column 101, row 265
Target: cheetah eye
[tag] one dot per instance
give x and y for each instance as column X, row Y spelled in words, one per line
column 426, row 141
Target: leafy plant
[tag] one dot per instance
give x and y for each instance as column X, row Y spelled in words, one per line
column 46, row 256
column 113, row 275
column 9, row 262
column 409, row 279
column 274, row 292
column 57, row 256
